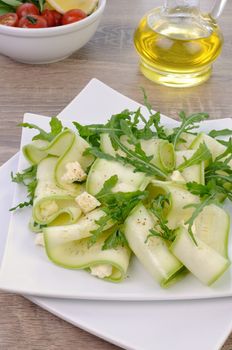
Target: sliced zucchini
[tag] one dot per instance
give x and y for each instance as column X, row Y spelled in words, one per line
column 152, row 253
column 212, row 226
column 38, row 149
column 68, row 147
column 106, row 146
column 192, row 173
column 128, row 181
column 203, row 261
column 215, row 147
column 68, row 246
column 81, row 229
column 161, row 150
column 179, row 198
column 34, row 151
column 51, row 201
column 185, row 141
column 72, row 154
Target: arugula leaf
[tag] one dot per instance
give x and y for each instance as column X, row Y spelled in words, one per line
column 154, row 118
column 223, row 132
column 208, row 194
column 13, row 3
column 107, row 187
column 91, row 133
column 99, row 154
column 228, row 152
column 126, row 130
column 219, row 172
column 161, row 229
column 124, row 123
column 28, row 179
column 102, row 222
column 223, row 142
column 4, row 8
column 187, row 124
column 56, row 128
column 22, row 205
column 145, row 101
column 137, row 159
column 26, row 174
column 117, row 206
column 199, row 189
column 200, row 155
column 37, row 225
column 115, row 240
column 43, row 135
column 198, row 207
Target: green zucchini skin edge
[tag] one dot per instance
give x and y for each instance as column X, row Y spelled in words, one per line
column 151, row 147
column 101, row 170
column 56, row 148
column 149, row 255
column 116, row 277
column 170, row 188
column 47, row 190
column 182, row 231
column 59, row 239
column 219, row 216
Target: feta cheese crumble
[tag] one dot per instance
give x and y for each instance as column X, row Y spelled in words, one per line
column 39, row 239
column 74, row 172
column 101, row 271
column 87, row 202
column 48, row 208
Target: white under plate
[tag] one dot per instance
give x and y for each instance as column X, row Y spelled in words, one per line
column 26, row 269
column 201, row 325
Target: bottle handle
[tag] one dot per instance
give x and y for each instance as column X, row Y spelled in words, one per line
column 218, row 8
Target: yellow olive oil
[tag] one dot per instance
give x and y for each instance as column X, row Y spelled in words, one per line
column 177, row 51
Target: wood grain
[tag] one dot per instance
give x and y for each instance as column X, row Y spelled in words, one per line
column 47, row 89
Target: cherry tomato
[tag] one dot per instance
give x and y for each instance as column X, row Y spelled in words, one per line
column 27, row 9
column 73, row 16
column 9, row 19
column 52, row 17
column 49, row 17
column 58, row 18
column 33, row 21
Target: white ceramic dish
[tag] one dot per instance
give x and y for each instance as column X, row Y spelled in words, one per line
column 26, row 269
column 201, row 325
column 47, row 45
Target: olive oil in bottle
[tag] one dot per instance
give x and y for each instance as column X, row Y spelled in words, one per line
column 178, row 48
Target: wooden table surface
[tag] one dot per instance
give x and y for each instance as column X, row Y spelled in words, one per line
column 46, row 90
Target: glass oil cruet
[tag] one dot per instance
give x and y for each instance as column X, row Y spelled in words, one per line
column 177, row 43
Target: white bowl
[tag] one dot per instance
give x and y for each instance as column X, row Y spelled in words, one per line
column 47, row 45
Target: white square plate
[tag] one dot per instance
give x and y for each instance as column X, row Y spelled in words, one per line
column 134, row 325
column 26, row 269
